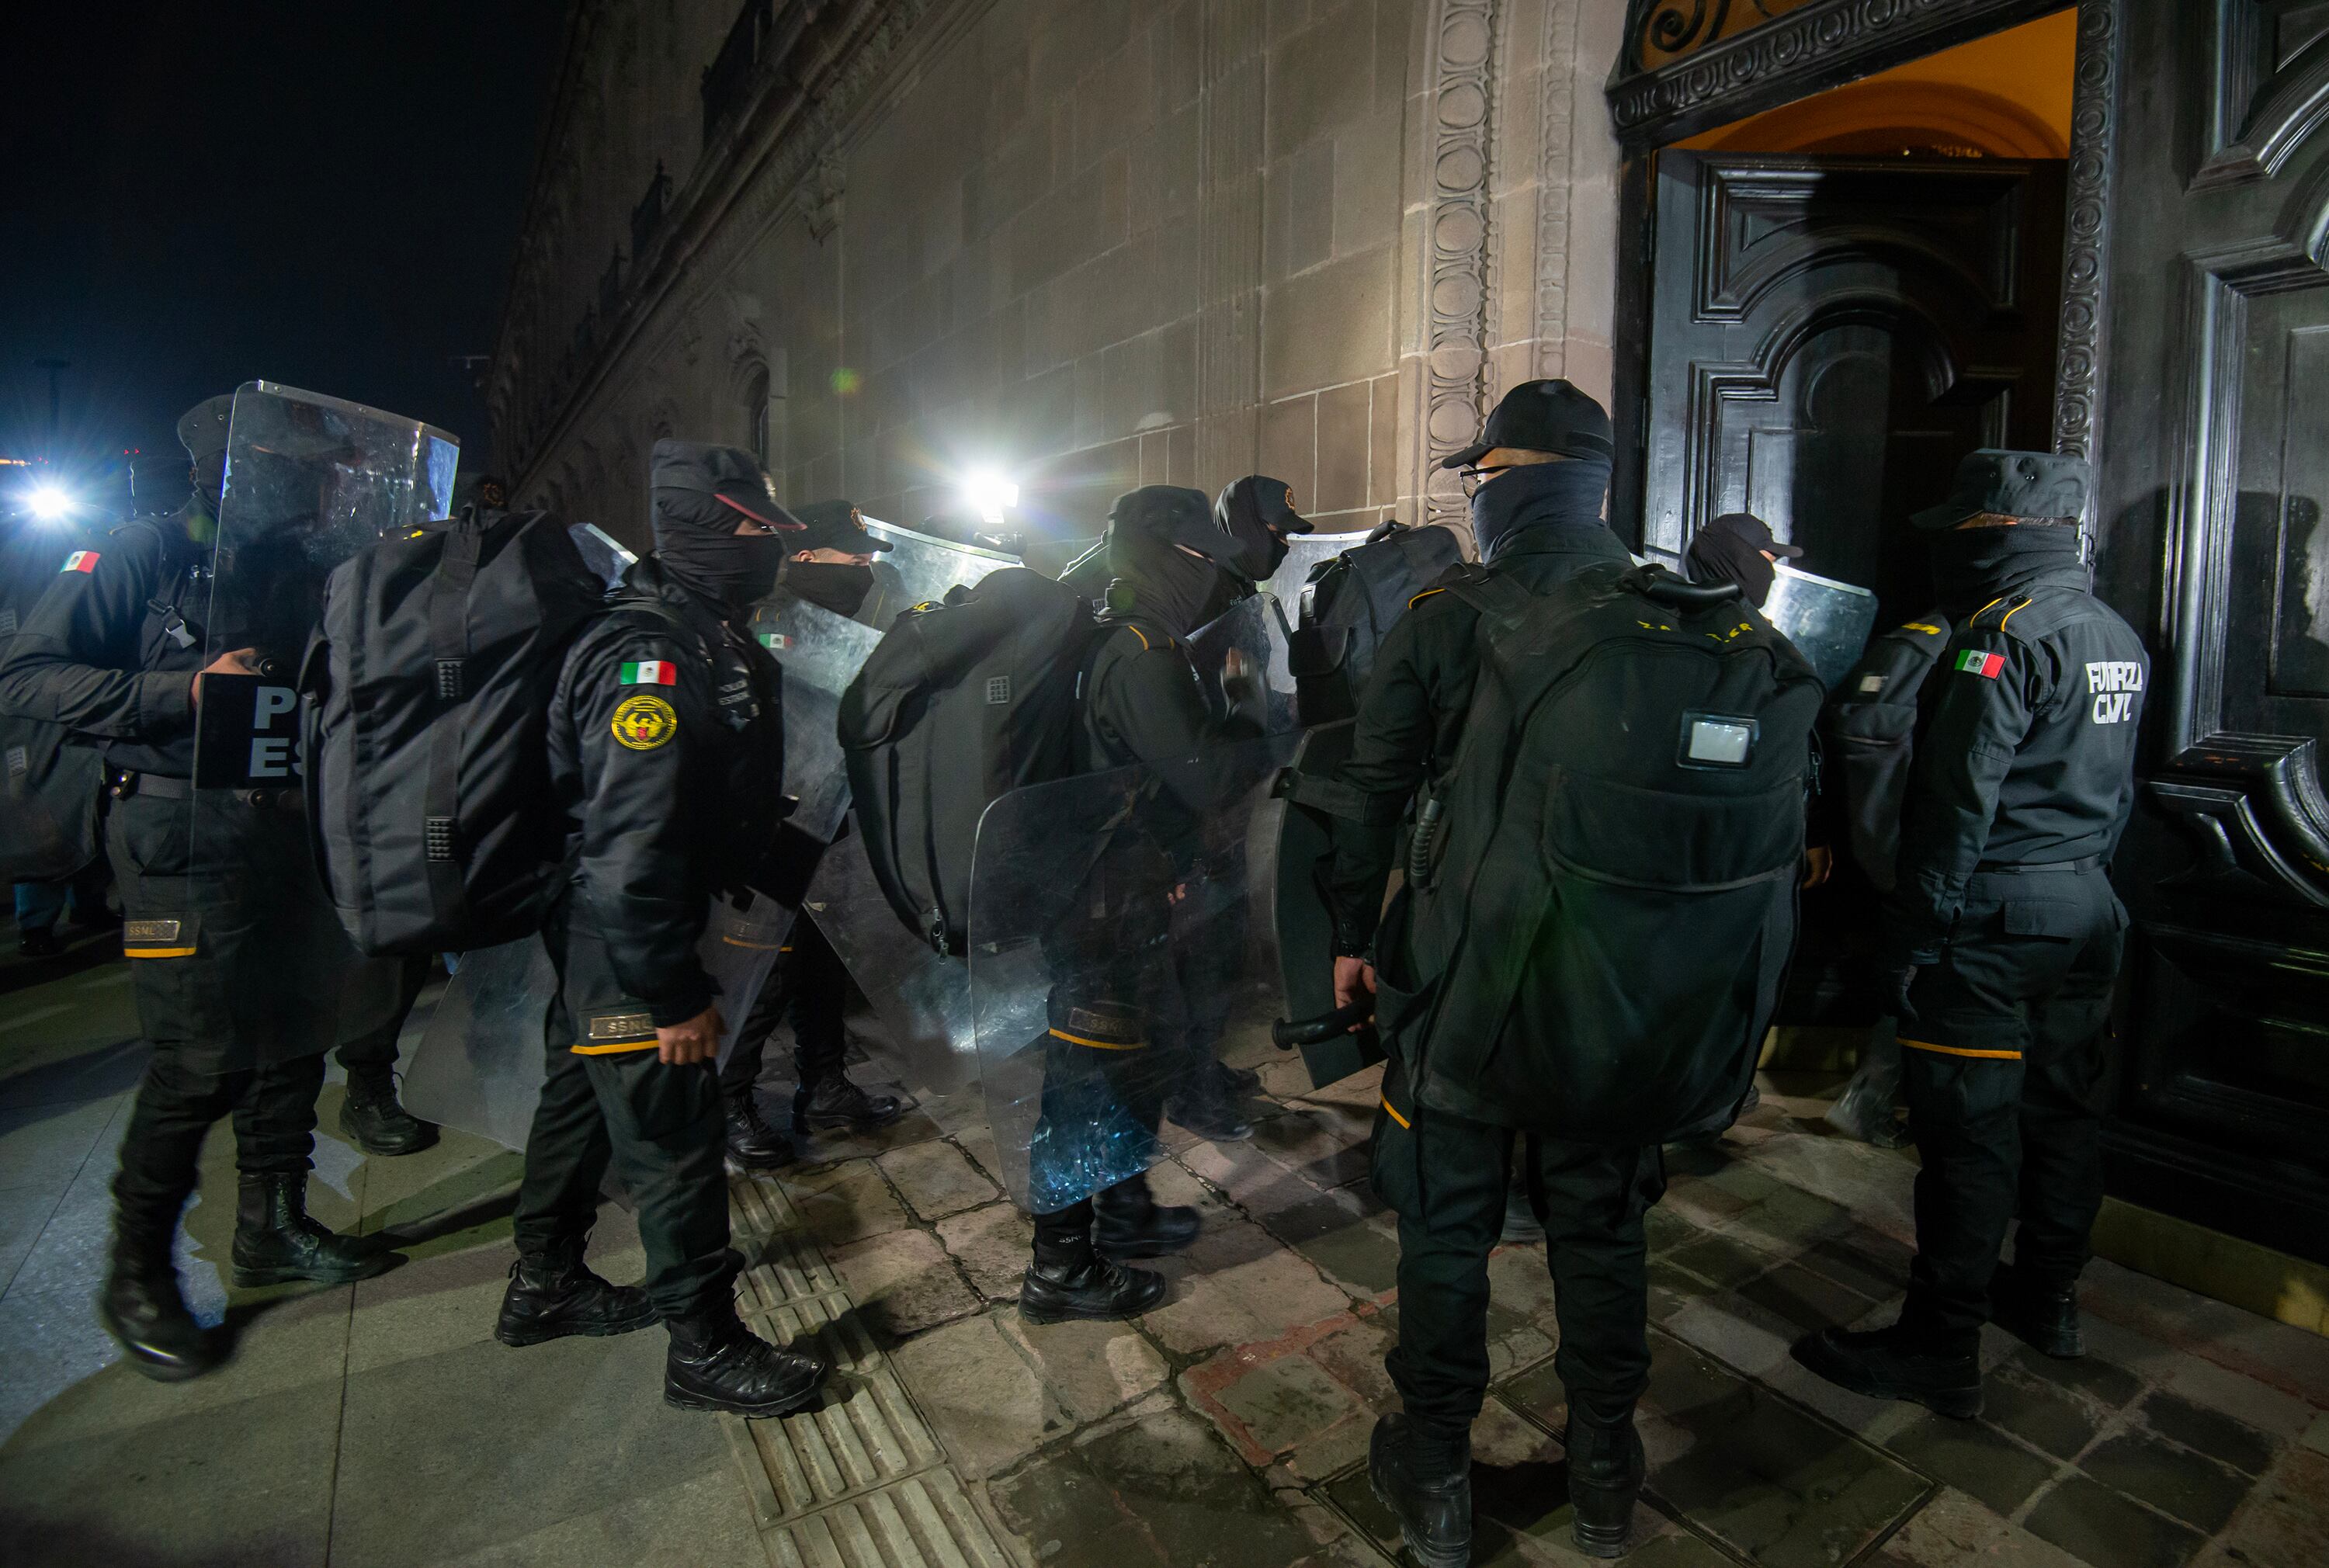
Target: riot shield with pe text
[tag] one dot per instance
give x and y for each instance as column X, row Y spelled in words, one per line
column 1828, row 622
column 1119, row 942
column 310, row 481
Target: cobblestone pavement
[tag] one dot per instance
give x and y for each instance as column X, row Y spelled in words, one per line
column 379, row 1424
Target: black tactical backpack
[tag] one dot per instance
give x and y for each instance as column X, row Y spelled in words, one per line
column 960, row 702
column 1348, row 608
column 1602, row 894
column 1872, row 719
column 428, row 687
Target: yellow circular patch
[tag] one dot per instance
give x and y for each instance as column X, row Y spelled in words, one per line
column 644, row 723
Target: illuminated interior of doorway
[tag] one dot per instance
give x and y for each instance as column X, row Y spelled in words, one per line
column 2004, row 96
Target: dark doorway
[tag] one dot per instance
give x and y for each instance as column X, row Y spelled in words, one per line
column 1830, row 334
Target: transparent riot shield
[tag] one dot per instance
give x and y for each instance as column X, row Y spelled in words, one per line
column 480, row 1064
column 310, row 481
column 1261, row 629
column 1828, row 622
column 1119, row 942
column 918, row 569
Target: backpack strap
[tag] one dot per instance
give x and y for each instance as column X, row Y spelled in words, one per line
column 1501, row 603
column 449, row 647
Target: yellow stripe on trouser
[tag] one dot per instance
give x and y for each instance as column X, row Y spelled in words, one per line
column 157, row 952
column 1098, row 1045
column 619, row 1046
column 1395, row 1115
column 1960, row 1050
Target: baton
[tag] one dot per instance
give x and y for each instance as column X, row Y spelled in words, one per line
column 1288, row 1034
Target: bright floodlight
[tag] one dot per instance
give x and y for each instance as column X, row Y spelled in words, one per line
column 49, row 502
column 988, row 493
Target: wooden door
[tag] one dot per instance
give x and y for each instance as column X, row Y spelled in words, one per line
column 1830, row 334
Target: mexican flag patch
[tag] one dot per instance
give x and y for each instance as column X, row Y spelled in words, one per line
column 648, row 672
column 81, row 560
column 1974, row 662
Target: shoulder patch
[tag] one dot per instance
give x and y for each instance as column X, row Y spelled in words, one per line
column 1974, row 662
column 642, row 723
column 647, row 672
column 1930, row 631
column 81, row 560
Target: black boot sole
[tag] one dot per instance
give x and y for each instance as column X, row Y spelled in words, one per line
column 144, row 1362
column 737, row 1162
column 251, row 1278
column 1040, row 1315
column 768, row 1411
column 1600, row 1540
column 382, row 1148
column 1957, row 1404
column 542, row 1333
column 1451, row 1557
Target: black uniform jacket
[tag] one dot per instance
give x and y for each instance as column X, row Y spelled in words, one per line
column 1144, row 703
column 2029, row 755
column 666, row 750
column 1411, row 713
column 110, row 649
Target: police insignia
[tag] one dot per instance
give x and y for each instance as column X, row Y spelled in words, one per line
column 642, row 723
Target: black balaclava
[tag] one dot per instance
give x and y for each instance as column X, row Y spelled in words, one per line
column 1254, row 516
column 1163, row 583
column 1719, row 555
column 202, row 431
column 840, row 587
column 694, row 492
column 1538, row 495
column 1973, row 565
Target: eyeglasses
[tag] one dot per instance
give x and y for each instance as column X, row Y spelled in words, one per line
column 1473, row 478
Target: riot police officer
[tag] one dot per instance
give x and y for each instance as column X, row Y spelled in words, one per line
column 665, row 742
column 1537, row 479
column 114, row 653
column 2020, row 787
column 828, row 564
column 1143, row 705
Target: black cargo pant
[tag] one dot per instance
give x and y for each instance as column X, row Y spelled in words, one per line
column 1447, row 1179
column 373, row 1049
column 810, row 988
column 2003, row 1063
column 217, row 1053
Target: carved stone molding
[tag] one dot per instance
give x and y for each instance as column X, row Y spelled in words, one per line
column 1818, row 45
column 2093, row 112
column 822, row 198
column 1455, row 303
column 1556, row 105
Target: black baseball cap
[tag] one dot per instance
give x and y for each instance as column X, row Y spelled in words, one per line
column 1753, row 531
column 2011, row 484
column 833, row 525
column 1543, row 416
column 730, row 474
column 202, row 430
column 1173, row 513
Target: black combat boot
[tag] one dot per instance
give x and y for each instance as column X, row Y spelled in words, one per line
column 1423, row 1475
column 1069, row 1280
column 552, row 1296
column 1605, row 1469
column 275, row 1241
column 752, row 1143
column 1207, row 1107
column 1131, row 1223
column 718, row 1364
column 372, row 1115
column 142, row 1307
column 831, row 1100
column 1899, row 1363
column 1237, row 1083
column 2043, row 1316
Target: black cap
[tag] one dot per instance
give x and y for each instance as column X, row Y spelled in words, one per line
column 485, row 490
column 1171, row 512
column 2011, row 484
column 730, row 473
column 202, row 430
column 1543, row 416
column 833, row 525
column 1753, row 531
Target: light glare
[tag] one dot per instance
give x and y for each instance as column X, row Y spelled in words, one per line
column 988, row 493
column 49, row 502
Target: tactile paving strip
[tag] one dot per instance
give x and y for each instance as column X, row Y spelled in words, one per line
column 924, row 1522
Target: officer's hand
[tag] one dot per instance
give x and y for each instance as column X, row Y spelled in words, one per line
column 696, row 1040
column 1819, row 865
column 1352, row 976
column 241, row 661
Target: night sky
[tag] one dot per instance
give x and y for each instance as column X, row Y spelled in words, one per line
column 323, row 193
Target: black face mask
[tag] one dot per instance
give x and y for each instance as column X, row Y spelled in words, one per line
column 1719, row 557
column 697, row 543
column 1569, row 492
column 840, row 587
column 1179, row 591
column 1972, row 566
